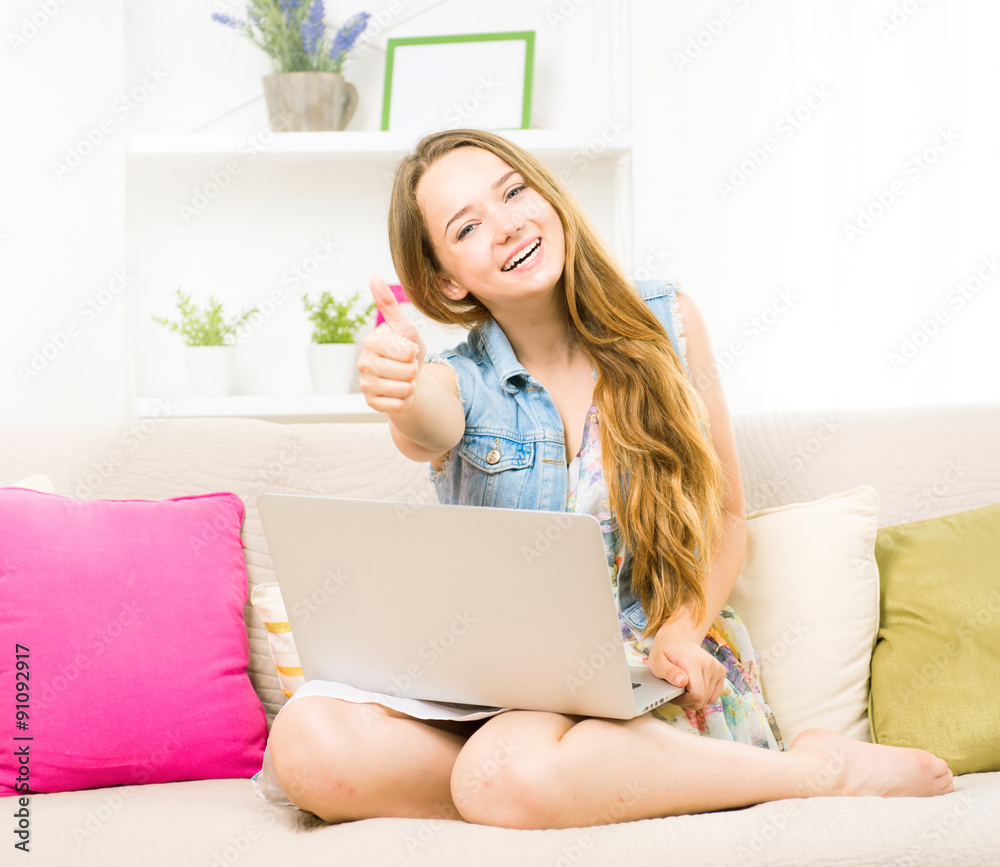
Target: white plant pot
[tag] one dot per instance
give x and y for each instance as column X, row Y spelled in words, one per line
column 331, row 366
column 210, row 369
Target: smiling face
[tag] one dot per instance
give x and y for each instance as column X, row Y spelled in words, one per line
column 494, row 236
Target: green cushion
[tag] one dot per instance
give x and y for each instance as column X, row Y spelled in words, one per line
column 936, row 663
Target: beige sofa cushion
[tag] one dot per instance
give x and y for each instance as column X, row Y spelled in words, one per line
column 219, row 823
column 808, row 593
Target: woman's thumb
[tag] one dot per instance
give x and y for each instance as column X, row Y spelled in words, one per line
column 386, row 302
column 674, row 674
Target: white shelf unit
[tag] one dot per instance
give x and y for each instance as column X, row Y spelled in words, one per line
column 355, row 146
column 381, row 149
column 287, row 408
column 347, row 148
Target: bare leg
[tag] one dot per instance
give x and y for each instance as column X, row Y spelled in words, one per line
column 346, row 761
column 527, row 769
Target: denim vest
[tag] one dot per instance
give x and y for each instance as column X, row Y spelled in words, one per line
column 513, row 453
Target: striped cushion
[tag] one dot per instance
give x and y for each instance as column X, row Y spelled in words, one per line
column 267, row 602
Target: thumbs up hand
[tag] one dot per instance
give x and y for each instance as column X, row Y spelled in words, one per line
column 391, row 355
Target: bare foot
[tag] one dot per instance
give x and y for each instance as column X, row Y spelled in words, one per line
column 842, row 766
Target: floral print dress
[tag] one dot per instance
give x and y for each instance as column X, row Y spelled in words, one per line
column 741, row 713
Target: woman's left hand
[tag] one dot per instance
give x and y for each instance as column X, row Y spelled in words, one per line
column 681, row 660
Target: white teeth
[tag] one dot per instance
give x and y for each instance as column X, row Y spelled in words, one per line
column 520, row 257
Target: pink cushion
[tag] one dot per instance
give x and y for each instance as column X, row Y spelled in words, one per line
column 129, row 617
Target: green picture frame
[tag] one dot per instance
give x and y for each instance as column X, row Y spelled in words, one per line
column 413, row 110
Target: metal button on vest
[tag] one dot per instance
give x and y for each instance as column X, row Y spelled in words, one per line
column 493, row 455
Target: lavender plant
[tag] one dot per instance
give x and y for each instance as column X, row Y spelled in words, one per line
column 294, row 35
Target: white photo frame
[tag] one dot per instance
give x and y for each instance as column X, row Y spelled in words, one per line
column 478, row 80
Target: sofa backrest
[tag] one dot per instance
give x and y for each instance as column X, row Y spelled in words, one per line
column 923, row 462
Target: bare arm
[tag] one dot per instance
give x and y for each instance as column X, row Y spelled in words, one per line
column 732, row 540
column 434, row 422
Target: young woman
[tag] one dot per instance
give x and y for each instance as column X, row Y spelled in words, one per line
column 610, row 391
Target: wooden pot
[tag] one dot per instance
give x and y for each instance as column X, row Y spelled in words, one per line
column 309, row 101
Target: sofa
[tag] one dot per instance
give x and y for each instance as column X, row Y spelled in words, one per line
column 786, row 458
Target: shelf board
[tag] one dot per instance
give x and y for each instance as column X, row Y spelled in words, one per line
column 354, row 145
column 283, row 407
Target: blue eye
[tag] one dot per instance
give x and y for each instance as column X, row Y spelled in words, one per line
column 461, row 232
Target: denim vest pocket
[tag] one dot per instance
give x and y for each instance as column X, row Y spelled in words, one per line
column 635, row 617
column 497, row 468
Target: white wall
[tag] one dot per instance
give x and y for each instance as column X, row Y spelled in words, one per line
column 62, row 348
column 854, row 302
column 831, row 310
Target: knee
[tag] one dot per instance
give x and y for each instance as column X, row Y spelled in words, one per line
column 310, row 751
column 504, row 782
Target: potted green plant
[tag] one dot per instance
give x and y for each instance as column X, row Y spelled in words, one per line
column 208, row 343
column 331, row 352
column 306, row 91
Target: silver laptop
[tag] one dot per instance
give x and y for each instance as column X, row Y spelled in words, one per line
column 455, row 604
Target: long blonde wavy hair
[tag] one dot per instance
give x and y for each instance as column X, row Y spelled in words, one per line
column 665, row 479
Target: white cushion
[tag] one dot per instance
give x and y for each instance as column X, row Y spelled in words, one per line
column 35, row 483
column 809, row 596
